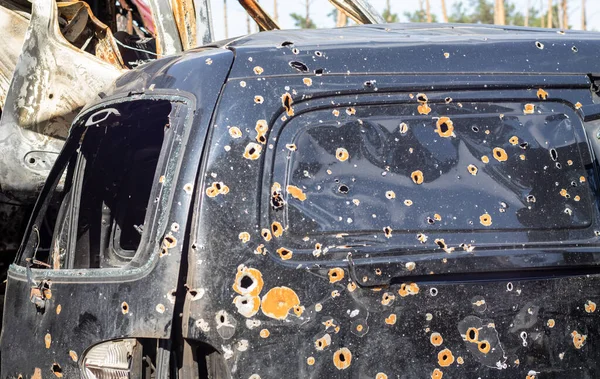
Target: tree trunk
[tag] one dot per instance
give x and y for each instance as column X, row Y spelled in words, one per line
column 527, row 14
column 275, row 13
column 549, row 14
column 342, row 19
column 307, row 3
column 499, row 18
column 565, row 15
column 428, row 10
column 225, row 18
column 583, row 20
column 248, row 24
column 444, row 11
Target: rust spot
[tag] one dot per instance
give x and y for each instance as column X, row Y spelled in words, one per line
column 484, row 346
column 336, row 274
column 307, row 81
column 277, row 201
column 590, row 306
column 445, row 358
column 48, row 340
column 298, row 310
column 58, row 309
column 217, row 188
column 437, row 374
column 485, row 219
column 342, row 358
column 424, row 109
column 422, row 237
column 437, row 217
column 351, row 287
column 564, row 193
column 578, row 339
column 341, row 154
column 408, row 202
column 388, row 231
column 445, row 127
column 514, row 140
column 472, row 169
column 277, row 229
column 248, row 281
column 417, row 176
column 500, row 154
column 551, row 323
column 323, row 342
column 291, row 147
column 124, row 308
column 260, row 250
column 577, row 198
column 278, row 302
column 287, row 101
column 529, row 109
column 460, row 360
column 391, row 319
column 335, row 112
column 335, row 293
column 296, row 192
column 522, row 157
column 578, row 105
column 318, row 307
column 582, row 179
column 160, row 308
column 350, row 111
column 390, row 195
column 258, row 70
column 252, row 151
column 408, row 289
column 259, row 99
column 244, row 237
column 442, row 245
column 485, row 159
column 37, row 373
column 161, row 179
column 541, row 94
column 310, row 361
column 422, row 98
column 359, row 328
column 73, row 356
column 264, row 333
column 284, row 253
column 387, row 298
column 266, row 234
column 436, row 339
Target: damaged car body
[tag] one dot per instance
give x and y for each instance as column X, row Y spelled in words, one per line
column 375, row 201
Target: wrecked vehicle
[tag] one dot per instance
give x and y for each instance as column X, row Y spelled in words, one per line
column 375, row 201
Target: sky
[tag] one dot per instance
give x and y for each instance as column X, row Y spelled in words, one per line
column 321, row 8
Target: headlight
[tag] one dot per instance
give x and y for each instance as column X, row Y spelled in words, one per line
column 119, row 359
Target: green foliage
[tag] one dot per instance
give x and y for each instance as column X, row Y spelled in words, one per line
column 482, row 12
column 303, row 22
column 419, row 16
column 388, row 16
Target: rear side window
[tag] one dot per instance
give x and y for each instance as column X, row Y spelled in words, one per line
column 481, row 167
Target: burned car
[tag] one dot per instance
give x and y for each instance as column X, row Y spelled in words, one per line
column 374, row 201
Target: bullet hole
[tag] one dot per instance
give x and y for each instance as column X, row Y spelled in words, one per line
column 258, row 70
column 350, row 111
column 299, row 66
column 369, row 84
column 390, row 195
column 578, row 339
column 277, row 229
column 550, row 323
column 284, row 253
column 57, row 370
column 295, row 51
column 286, row 101
column 539, row 45
column 558, row 165
column 422, row 98
column 472, row 169
column 341, row 154
column 445, row 358
column 187, row 188
column 48, row 340
column 530, row 199
column 388, row 231
column 541, row 94
column 403, row 128
column 277, row 201
column 252, row 151
column 319, row 71
column 335, row 275
column 514, row 140
column 500, row 154
column 287, row 44
column 266, row 234
column 422, row 237
column 264, row 333
column 417, row 177
column 244, row 237
column 169, row 241
column 259, row 99
column 472, row 335
column 553, row 154
column 323, row 342
column 445, row 127
column 408, row 202
column 342, row 358
column 433, row 291
column 436, row 339
column 574, row 49
column 175, row 227
column 437, row 374
column 377, row 271
column 124, row 308
column 485, row 219
column 310, row 361
column 335, row 112
column 160, row 308
column 391, row 319
column 528, row 109
column 343, row 189
column 484, row 346
column 474, row 128
column 590, row 306
column 430, row 221
column 448, row 100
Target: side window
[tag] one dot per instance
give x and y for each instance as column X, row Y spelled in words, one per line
column 386, row 170
column 97, row 215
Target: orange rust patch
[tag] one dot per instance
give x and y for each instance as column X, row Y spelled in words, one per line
column 437, row 374
column 260, row 249
column 522, row 157
column 578, row 339
column 335, row 293
column 335, row 112
column 284, row 253
column 252, row 151
column 307, row 81
column 472, row 169
column 323, row 342
column 445, row 358
column 264, row 333
column 460, row 360
column 484, row 346
column 235, row 132
column 247, row 305
column 359, row 328
column 48, row 340
column 244, row 237
column 424, row 109
column 564, row 193
column 541, row 94
column 578, row 105
column 296, row 192
column 278, row 301
column 500, row 154
column 388, row 231
column 310, row 361
column 408, row 289
column 73, row 356
column 514, row 140
column 422, row 237
column 342, row 358
column 350, row 111
column 58, row 309
column 551, row 323
column 387, row 298
column 590, row 306
column 261, row 126
column 286, row 101
column 485, row 159
column 258, row 70
column 417, row 176
column 472, row 335
column 444, row 127
column 577, row 198
column 351, row 287
column 390, row 195
column 37, row 373
column 408, row 202
column 528, row 109
column 298, row 310
column 582, row 179
column 341, row 154
column 266, row 234
column 485, row 219
column 336, row 274
column 217, row 188
column 277, row 229
column 437, row 217
column 248, row 281
column 391, row 319
column 436, row 339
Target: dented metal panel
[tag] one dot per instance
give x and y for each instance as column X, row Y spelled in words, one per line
column 13, row 26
